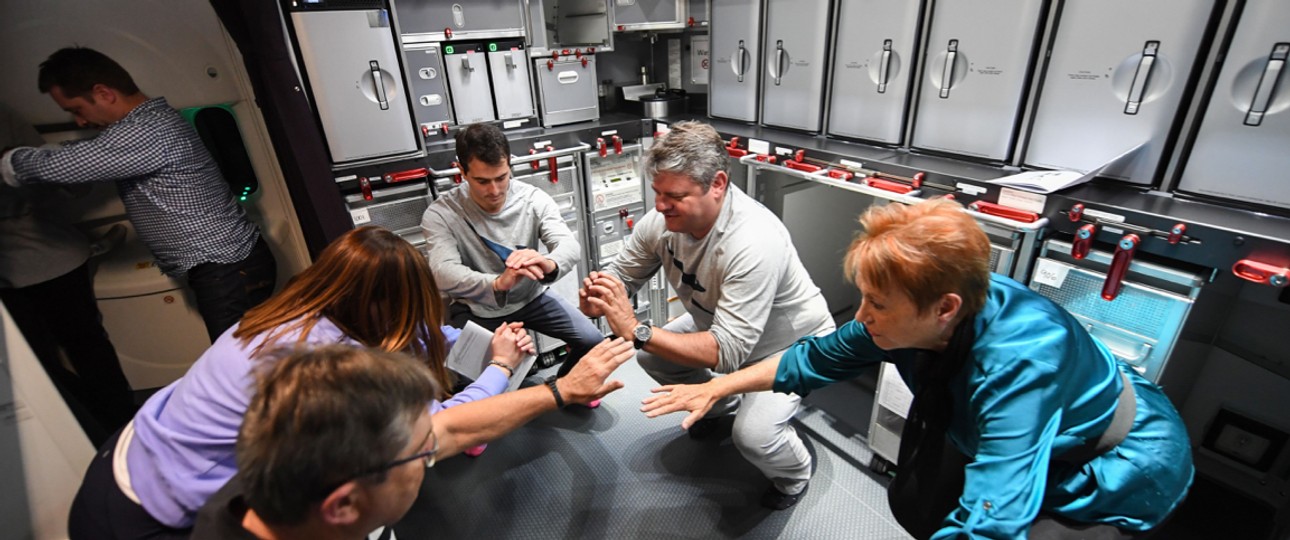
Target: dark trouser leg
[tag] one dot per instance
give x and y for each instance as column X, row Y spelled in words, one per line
column 101, row 511
column 556, row 318
column 939, row 494
column 226, row 291
column 61, row 315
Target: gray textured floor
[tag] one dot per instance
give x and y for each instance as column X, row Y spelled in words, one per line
column 612, row 473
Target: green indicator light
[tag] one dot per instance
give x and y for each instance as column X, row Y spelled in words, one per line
column 447, row 49
column 492, row 47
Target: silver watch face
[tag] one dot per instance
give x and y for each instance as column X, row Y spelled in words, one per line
column 642, row 332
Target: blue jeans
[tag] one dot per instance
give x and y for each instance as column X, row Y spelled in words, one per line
column 225, row 291
column 556, row 318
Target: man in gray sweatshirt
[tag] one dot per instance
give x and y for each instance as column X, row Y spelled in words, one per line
column 482, row 246
column 745, row 291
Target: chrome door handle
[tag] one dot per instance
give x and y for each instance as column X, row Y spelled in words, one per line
column 739, row 65
column 510, row 60
column 884, row 66
column 779, row 62
column 466, row 64
column 947, row 71
column 1141, row 76
column 378, row 85
column 1267, row 84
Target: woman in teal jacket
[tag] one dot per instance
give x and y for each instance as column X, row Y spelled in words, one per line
column 1023, row 425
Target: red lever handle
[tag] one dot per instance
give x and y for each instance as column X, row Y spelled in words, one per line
column 1076, row 212
column 447, row 32
column 799, row 156
column 1176, row 233
column 404, row 176
column 918, row 180
column 1119, row 266
column 767, row 159
column 1083, row 240
column 1004, row 211
column 887, row 185
column 799, row 166
column 734, row 142
column 1261, row 273
column 553, row 163
column 604, row 149
column 841, row 174
column 618, row 145
column 456, row 178
column 366, row 186
column 736, row 152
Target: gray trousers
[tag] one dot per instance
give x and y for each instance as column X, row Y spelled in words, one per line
column 762, row 432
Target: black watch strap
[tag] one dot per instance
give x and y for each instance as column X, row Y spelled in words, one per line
column 555, row 391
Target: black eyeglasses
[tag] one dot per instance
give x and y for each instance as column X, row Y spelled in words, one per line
column 428, row 456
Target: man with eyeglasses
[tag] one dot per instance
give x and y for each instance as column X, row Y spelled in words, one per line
column 336, row 440
column 483, row 242
column 746, row 295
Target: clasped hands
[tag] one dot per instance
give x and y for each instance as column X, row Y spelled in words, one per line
column 523, row 264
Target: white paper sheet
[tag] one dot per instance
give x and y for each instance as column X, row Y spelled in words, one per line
column 470, row 355
column 1051, row 181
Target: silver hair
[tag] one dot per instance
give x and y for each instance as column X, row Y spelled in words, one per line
column 693, row 149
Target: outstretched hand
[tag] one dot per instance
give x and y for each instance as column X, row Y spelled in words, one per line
column 510, row 343
column 587, row 381
column 698, row 399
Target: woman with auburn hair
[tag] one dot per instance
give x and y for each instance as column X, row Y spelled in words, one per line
column 1022, row 426
column 369, row 287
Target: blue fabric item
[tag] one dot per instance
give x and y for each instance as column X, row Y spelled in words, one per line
column 173, row 191
column 1036, row 386
column 182, row 451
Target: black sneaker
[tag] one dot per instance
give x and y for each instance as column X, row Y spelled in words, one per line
column 704, row 428
column 774, row 499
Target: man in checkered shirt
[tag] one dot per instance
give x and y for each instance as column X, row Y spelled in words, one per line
column 173, row 192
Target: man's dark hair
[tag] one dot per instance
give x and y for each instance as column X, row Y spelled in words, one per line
column 483, row 142
column 75, row 71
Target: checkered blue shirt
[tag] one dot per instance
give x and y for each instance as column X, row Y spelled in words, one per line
column 173, row 191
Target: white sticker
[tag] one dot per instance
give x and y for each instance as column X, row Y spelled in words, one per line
column 661, row 128
column 781, row 151
column 852, row 164
column 609, row 133
column 1022, row 200
column 699, row 60
column 511, row 124
column 1113, row 230
column 609, row 249
column 340, row 179
column 970, row 189
column 1104, row 216
column 1051, row 273
column 758, row 146
column 360, row 216
column 541, row 144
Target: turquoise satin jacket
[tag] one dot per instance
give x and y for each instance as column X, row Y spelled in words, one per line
column 1037, row 385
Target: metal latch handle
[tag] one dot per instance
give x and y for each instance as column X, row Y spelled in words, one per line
column 1141, row 76
column 778, row 72
column 1267, row 84
column 739, row 63
column 378, row 85
column 884, row 66
column 947, row 72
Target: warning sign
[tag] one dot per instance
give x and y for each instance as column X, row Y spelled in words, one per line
column 699, row 59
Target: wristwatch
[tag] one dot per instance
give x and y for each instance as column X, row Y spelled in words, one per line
column 641, row 334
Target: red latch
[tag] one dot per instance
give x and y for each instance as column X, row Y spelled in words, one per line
column 404, row 176
column 577, row 53
column 621, row 28
column 630, row 224
column 918, row 180
column 1176, row 233
column 618, row 145
column 425, row 131
column 591, row 50
column 1003, row 211
column 1119, row 266
column 799, row 156
column 584, row 62
column 1083, row 240
column 553, row 163
column 690, row 22
column 1076, row 212
column 841, row 174
column 444, row 128
column 736, row 152
column 555, row 55
column 622, row 213
column 447, row 32
column 366, row 186
column 456, row 178
column 564, row 52
column 550, row 65
column 887, row 185
column 1261, row 273
column 799, row 166
column 767, row 159
column 600, row 145
column 734, row 143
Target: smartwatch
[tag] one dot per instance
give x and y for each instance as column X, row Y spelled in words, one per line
column 642, row 334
